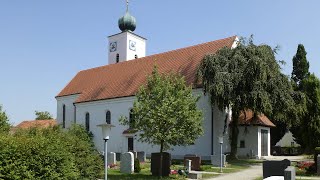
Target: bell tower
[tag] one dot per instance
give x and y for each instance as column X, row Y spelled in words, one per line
column 126, row 45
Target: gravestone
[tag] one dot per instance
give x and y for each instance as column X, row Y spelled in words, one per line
column 195, row 176
column 274, row 168
column 290, row 173
column 111, row 158
column 118, row 156
column 188, row 165
column 156, row 161
column 127, row 163
column 318, row 165
column 142, row 156
column 135, row 154
column 195, row 161
column 215, row 160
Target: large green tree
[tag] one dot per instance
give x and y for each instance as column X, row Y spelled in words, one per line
column 4, row 121
column 165, row 112
column 247, row 77
column 300, row 65
column 43, row 115
column 309, row 126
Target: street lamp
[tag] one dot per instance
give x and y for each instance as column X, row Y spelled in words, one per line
column 106, row 129
column 221, row 154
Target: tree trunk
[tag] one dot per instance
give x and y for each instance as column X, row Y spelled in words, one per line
column 161, row 157
column 234, row 136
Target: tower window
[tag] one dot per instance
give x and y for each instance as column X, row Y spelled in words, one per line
column 108, row 117
column 87, row 121
column 118, row 57
column 64, row 116
column 136, row 56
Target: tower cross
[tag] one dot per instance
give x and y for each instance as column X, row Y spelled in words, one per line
column 127, row 5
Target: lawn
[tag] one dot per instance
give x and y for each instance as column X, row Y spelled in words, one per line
column 233, row 166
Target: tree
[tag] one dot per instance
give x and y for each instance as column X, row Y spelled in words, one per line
column 300, row 65
column 165, row 112
column 247, row 77
column 309, row 126
column 43, row 115
column 4, row 121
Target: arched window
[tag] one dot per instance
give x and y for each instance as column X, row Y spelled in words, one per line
column 87, row 121
column 136, row 56
column 108, row 117
column 118, row 58
column 64, row 116
column 131, row 118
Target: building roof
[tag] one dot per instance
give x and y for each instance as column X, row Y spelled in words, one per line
column 124, row 79
column 37, row 123
column 247, row 118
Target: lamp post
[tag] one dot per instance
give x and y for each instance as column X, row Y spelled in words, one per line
column 106, row 129
column 221, row 154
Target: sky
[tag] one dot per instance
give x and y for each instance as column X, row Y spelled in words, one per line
column 43, row 44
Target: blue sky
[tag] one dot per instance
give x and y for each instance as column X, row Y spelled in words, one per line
column 43, row 44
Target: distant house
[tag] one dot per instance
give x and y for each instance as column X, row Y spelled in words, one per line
column 287, row 141
column 35, row 123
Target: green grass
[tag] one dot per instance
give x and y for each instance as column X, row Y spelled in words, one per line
column 233, row 166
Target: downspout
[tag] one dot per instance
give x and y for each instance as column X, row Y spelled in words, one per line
column 212, row 132
column 75, row 113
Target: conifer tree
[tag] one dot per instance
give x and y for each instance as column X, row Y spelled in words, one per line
column 300, row 65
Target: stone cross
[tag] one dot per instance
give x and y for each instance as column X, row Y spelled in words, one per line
column 127, row 163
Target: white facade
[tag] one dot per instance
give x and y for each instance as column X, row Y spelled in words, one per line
column 121, row 107
column 127, row 46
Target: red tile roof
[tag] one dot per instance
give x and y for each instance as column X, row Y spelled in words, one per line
column 124, row 79
column 37, row 123
column 247, row 118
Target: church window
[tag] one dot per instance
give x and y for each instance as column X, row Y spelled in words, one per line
column 87, row 121
column 242, row 144
column 118, row 58
column 64, row 116
column 131, row 118
column 136, row 56
column 108, row 117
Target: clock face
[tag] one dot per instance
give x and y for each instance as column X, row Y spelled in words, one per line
column 132, row 45
column 113, row 46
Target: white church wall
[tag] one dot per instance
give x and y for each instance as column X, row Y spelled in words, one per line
column 68, row 102
column 219, row 123
column 118, row 142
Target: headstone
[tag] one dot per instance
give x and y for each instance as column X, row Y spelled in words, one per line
column 188, row 165
column 142, row 156
column 318, row 165
column 195, row 161
column 195, row 176
column 290, row 173
column 127, row 163
column 111, row 158
column 274, row 168
column 118, row 156
column 135, row 154
column 215, row 160
column 155, row 164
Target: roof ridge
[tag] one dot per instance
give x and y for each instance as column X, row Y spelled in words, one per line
column 161, row 53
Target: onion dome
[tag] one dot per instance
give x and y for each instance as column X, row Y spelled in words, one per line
column 127, row 22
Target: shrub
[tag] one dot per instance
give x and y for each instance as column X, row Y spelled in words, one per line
column 137, row 168
column 49, row 154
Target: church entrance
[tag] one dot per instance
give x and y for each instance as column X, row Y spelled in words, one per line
column 130, row 144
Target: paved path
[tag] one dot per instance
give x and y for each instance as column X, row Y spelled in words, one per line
column 249, row 174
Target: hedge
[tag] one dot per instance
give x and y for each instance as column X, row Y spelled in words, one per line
column 49, row 154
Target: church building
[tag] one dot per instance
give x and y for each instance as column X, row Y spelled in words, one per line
column 104, row 94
